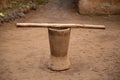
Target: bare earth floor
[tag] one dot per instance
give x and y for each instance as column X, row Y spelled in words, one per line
column 94, row 54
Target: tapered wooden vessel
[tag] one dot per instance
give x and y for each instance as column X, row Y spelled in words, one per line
column 59, row 43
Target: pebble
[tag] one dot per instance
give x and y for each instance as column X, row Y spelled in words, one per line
column 25, row 10
column 21, row 14
column 16, row 15
column 6, row 18
column 33, row 6
column 1, row 19
column 11, row 16
column 28, row 7
column 0, row 22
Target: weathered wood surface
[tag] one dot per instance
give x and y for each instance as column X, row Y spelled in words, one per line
column 59, row 25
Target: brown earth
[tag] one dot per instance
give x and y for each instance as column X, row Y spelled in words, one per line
column 94, row 54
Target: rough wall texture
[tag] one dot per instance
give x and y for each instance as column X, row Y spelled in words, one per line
column 99, row 6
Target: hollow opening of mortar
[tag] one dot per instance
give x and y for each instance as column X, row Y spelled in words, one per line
column 60, row 29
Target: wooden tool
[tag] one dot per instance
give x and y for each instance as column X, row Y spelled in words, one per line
column 60, row 25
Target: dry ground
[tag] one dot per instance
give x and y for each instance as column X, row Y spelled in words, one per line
column 94, row 54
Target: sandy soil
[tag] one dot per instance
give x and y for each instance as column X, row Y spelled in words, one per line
column 94, row 54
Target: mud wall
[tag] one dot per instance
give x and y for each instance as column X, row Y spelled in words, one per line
column 99, row 6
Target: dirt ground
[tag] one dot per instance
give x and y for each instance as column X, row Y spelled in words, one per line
column 94, row 54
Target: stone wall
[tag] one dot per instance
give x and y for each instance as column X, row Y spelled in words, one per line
column 99, row 6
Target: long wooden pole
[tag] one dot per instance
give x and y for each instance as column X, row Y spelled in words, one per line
column 60, row 25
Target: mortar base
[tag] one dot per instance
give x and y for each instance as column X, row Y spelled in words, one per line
column 59, row 63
